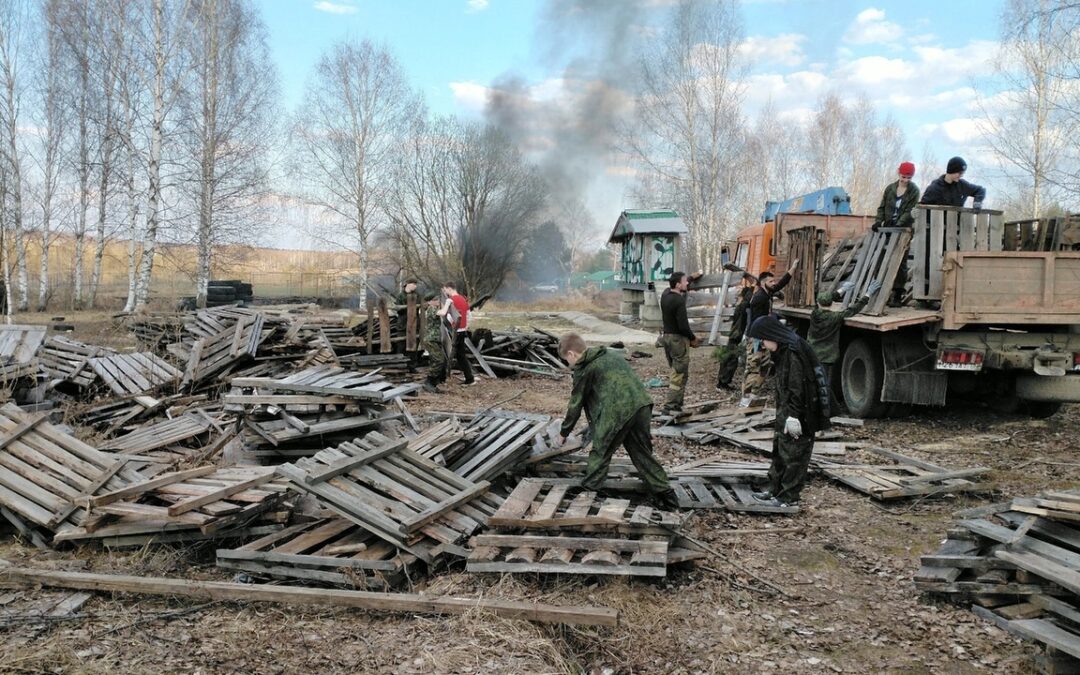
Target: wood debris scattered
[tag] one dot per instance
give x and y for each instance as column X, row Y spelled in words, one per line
column 1016, row 563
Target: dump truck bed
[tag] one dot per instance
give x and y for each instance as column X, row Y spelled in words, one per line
column 894, row 317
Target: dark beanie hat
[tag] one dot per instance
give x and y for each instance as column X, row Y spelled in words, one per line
column 956, row 165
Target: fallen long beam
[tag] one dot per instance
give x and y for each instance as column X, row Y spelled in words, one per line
column 22, row 577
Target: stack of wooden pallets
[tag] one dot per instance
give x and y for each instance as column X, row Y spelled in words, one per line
column 1017, row 565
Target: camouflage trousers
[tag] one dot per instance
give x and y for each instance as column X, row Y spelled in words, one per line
column 757, row 360
column 436, row 363
column 790, row 461
column 636, row 436
column 677, row 351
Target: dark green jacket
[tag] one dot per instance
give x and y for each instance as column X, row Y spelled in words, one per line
column 608, row 390
column 824, row 333
column 888, row 201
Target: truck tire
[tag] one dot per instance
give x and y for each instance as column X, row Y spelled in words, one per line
column 861, row 378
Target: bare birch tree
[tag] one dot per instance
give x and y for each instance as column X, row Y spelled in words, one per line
column 14, row 23
column 1028, row 123
column 54, row 117
column 226, row 121
column 356, row 113
column 688, row 127
column 463, row 204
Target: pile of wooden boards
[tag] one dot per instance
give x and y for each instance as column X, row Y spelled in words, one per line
column 507, row 353
column 1017, row 564
column 18, row 352
column 880, row 473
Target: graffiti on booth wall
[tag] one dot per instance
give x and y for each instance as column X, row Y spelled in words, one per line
column 663, row 257
column 633, row 260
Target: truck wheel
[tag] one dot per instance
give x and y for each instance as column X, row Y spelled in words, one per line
column 1040, row 410
column 861, row 378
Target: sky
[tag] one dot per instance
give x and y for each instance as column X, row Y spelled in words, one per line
column 917, row 60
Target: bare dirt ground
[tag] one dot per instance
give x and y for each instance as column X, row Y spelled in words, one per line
column 849, row 605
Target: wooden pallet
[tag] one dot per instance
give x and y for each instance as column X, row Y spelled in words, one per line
column 161, row 434
column 804, row 245
column 562, row 504
column 702, row 493
column 567, row 555
column 903, row 477
column 18, row 350
column 330, row 550
column 879, row 260
column 210, row 498
column 393, row 492
column 332, row 381
column 720, row 468
column 137, row 373
column 66, row 360
column 44, row 472
column 215, row 353
column 941, row 229
column 502, row 440
column 321, row 430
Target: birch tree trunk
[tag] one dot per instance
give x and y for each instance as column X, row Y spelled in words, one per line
column 153, row 199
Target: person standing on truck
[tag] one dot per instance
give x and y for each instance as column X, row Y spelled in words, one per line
column 729, row 359
column 760, row 305
column 898, row 200
column 677, row 339
column 950, row 189
column 802, row 409
column 619, row 411
column 456, row 310
column 825, row 324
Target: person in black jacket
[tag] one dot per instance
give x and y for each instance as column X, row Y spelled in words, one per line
column 950, row 189
column 729, row 359
column 802, row 409
column 677, row 339
column 760, row 305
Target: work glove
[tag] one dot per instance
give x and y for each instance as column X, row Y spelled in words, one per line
column 875, row 226
column 874, row 287
column 845, row 287
column 793, row 428
column 976, row 205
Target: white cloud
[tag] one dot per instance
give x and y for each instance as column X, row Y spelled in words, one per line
column 870, row 27
column 959, row 131
column 334, row 8
column 870, row 71
column 473, row 6
column 785, row 49
column 470, row 95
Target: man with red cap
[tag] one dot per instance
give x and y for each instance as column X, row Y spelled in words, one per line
column 897, row 202
column 899, row 198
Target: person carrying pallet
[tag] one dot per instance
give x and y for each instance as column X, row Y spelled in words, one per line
column 619, row 411
column 825, row 324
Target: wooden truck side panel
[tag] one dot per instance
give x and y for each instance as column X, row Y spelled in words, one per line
column 1010, row 287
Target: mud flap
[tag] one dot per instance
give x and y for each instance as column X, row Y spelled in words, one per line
column 909, row 372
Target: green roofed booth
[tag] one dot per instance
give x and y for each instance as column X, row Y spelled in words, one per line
column 650, row 249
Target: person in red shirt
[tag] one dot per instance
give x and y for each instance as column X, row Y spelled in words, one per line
column 456, row 311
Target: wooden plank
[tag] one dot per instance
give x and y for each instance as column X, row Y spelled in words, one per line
column 218, row 495
column 218, row 590
column 438, row 510
column 21, row 429
column 146, row 486
column 347, row 464
column 935, row 252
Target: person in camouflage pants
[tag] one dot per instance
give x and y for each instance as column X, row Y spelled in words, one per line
column 433, row 343
column 619, row 411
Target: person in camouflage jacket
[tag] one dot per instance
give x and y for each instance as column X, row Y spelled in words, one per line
column 825, row 325
column 619, row 411
column 433, row 344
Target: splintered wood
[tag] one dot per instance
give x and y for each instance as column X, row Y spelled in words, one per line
column 1017, row 563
